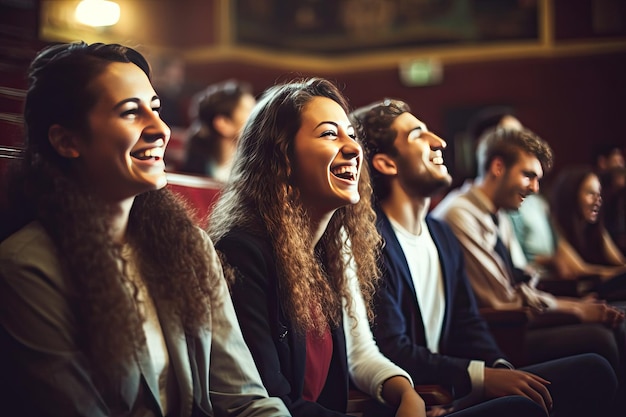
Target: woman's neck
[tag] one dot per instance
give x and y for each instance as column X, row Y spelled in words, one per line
column 225, row 151
column 318, row 225
column 120, row 220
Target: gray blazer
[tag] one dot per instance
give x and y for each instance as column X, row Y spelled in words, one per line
column 43, row 371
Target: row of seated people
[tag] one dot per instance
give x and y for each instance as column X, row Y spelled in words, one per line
column 563, row 231
column 397, row 330
column 114, row 301
column 583, row 260
column 499, row 323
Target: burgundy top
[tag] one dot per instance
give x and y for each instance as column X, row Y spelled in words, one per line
column 319, row 351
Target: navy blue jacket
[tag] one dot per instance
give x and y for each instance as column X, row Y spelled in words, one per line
column 278, row 350
column 399, row 329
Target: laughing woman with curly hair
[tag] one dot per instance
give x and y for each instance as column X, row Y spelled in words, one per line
column 296, row 228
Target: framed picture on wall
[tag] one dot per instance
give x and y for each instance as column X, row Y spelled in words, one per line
column 348, row 26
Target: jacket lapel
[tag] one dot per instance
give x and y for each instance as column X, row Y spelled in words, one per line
column 149, row 375
column 394, row 249
column 180, row 362
column 447, row 274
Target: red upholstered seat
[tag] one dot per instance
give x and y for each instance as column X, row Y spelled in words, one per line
column 199, row 192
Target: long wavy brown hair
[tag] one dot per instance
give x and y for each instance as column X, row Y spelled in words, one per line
column 261, row 197
column 586, row 238
column 171, row 252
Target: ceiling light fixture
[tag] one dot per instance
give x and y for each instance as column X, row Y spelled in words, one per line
column 97, row 13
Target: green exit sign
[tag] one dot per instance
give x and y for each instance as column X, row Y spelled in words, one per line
column 421, row 72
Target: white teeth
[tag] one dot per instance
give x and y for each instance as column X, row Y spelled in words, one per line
column 150, row 153
column 437, row 157
column 344, row 169
column 155, row 152
column 346, row 172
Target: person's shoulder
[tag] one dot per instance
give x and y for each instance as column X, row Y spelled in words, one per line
column 436, row 225
column 382, row 220
column 440, row 230
column 453, row 201
column 239, row 239
column 31, row 241
column 243, row 234
column 31, row 251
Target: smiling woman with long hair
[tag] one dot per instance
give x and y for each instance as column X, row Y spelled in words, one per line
column 112, row 302
column 296, row 228
column 576, row 204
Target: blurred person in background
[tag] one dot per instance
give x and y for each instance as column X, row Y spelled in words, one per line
column 577, row 205
column 219, row 112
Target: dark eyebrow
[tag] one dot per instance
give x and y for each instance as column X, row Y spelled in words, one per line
column 133, row 100
column 531, row 174
column 332, row 123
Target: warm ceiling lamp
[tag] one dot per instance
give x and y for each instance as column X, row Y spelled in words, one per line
column 98, row 12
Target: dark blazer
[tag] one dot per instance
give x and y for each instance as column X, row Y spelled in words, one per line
column 277, row 349
column 399, row 329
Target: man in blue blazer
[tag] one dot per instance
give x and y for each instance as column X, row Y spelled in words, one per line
column 427, row 320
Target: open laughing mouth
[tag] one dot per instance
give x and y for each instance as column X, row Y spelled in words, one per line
column 345, row 172
column 437, row 160
column 147, row 154
column 436, row 157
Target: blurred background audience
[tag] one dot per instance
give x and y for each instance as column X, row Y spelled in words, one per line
column 218, row 113
column 577, row 204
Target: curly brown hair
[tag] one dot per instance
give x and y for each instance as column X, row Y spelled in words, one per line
column 261, row 198
column 171, row 250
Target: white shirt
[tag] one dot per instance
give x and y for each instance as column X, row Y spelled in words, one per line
column 422, row 257
column 155, row 341
column 423, row 261
column 368, row 368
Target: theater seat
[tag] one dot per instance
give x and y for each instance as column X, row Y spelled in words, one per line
column 509, row 328
column 7, row 154
column 200, row 193
column 562, row 287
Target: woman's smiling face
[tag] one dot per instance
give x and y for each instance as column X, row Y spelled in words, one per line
column 327, row 156
column 590, row 198
column 121, row 154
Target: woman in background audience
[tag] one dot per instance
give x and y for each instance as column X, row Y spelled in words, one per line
column 220, row 112
column 576, row 202
column 613, row 183
column 112, row 302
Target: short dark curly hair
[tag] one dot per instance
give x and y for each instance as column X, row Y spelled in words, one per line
column 507, row 144
column 373, row 125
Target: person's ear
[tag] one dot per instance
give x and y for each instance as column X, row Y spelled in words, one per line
column 497, row 167
column 384, row 164
column 224, row 126
column 63, row 141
